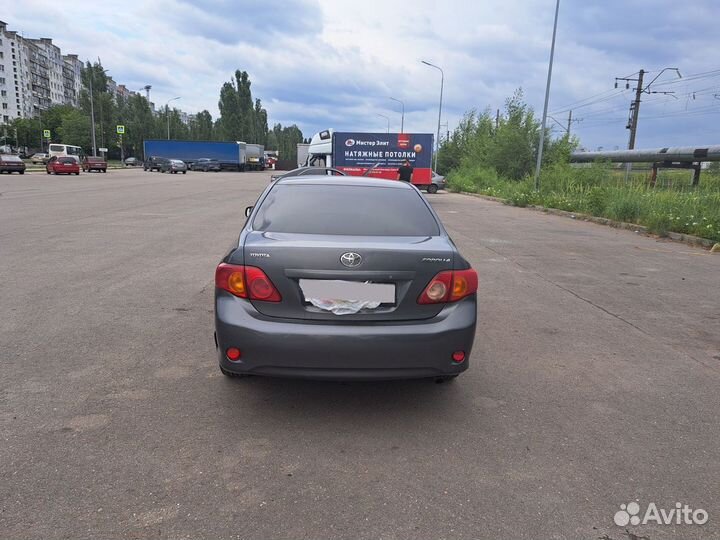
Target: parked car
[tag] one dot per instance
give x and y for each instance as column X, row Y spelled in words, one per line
column 173, row 166
column 270, row 162
column 305, row 171
column 90, row 163
column 62, row 165
column 154, row 163
column 206, row 164
column 365, row 285
column 132, row 162
column 437, row 182
column 39, row 157
column 10, row 163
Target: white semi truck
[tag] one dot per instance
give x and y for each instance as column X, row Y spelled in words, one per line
column 254, row 156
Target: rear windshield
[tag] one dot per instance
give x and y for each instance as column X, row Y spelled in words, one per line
column 66, row 160
column 345, row 210
column 10, row 158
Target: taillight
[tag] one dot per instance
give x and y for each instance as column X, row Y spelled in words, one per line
column 246, row 282
column 450, row 286
column 260, row 286
column 231, row 278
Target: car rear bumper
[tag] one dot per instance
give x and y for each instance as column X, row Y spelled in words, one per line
column 343, row 350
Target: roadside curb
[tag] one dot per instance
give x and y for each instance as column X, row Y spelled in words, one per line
column 677, row 237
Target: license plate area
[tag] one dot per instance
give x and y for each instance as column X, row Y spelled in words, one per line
column 355, row 291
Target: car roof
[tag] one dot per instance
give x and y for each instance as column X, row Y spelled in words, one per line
column 358, row 181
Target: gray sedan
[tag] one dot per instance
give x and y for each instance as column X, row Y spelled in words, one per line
column 351, row 278
column 173, row 166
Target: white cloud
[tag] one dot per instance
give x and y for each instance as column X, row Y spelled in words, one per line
column 334, row 63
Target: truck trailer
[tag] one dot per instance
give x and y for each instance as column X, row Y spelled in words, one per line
column 255, row 157
column 232, row 155
column 303, row 151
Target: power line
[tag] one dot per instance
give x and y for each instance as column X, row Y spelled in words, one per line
column 593, row 102
column 574, row 103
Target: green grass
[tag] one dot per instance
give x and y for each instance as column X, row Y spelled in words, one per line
column 599, row 190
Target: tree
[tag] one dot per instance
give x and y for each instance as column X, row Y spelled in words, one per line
column 241, row 119
column 102, row 105
column 139, row 124
column 507, row 145
column 52, row 119
column 75, row 129
column 287, row 140
column 201, row 127
column 516, row 140
column 178, row 129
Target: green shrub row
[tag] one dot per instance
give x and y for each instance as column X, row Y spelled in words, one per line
column 599, row 190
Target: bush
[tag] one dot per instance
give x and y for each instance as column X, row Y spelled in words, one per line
column 624, row 207
column 595, row 201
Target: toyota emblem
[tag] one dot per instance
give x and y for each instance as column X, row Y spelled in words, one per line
column 350, row 259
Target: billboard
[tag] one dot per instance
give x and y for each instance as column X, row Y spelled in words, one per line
column 355, row 153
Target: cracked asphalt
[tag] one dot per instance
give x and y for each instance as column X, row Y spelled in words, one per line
column 593, row 382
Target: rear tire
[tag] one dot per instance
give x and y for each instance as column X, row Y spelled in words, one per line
column 184, row 172
column 22, row 172
column 231, row 374
column 432, row 188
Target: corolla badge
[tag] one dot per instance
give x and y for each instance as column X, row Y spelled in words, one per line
column 350, row 259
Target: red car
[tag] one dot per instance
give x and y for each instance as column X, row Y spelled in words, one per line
column 94, row 164
column 62, row 165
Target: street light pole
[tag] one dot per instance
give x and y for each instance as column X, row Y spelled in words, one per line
column 92, row 110
column 92, row 114
column 167, row 113
column 388, row 121
column 442, row 83
column 402, row 118
column 547, row 97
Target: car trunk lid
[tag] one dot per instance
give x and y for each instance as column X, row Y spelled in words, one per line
column 406, row 264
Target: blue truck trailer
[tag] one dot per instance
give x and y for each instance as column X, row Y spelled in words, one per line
column 230, row 154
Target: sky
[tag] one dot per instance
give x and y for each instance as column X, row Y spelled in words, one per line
column 335, row 64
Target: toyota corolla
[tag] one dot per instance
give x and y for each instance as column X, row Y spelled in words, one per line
column 344, row 278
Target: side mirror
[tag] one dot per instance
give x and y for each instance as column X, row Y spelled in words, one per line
column 248, row 211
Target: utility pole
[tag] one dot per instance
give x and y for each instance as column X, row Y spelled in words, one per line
column 635, row 110
column 497, row 120
column 635, row 105
column 569, row 123
column 547, row 98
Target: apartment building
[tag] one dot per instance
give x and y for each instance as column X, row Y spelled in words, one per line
column 72, row 79
column 11, row 94
column 35, row 75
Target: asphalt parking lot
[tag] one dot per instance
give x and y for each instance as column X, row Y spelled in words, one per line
column 594, row 382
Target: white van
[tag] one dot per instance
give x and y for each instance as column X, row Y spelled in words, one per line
column 66, row 150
